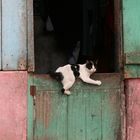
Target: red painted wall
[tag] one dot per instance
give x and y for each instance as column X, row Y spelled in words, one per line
column 13, row 105
column 133, row 109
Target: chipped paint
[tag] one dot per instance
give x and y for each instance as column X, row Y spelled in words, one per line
column 133, row 108
column 13, row 105
column 30, row 37
column 14, row 35
column 90, row 112
column 0, row 34
column 22, row 62
column 131, row 38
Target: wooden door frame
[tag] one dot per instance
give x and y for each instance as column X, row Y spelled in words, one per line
column 118, row 30
column 118, row 48
column 30, row 37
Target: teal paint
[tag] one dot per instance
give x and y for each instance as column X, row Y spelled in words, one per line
column 30, row 118
column 91, row 112
column 131, row 20
column 131, row 36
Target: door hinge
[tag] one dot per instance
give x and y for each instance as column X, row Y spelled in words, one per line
column 32, row 91
column 33, row 94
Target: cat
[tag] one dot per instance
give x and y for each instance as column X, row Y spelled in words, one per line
column 67, row 74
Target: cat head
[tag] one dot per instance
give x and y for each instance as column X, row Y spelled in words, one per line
column 91, row 66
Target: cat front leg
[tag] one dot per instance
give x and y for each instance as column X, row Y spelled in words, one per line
column 91, row 81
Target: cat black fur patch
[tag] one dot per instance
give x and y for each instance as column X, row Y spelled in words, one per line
column 75, row 69
column 57, row 75
column 62, row 90
column 89, row 65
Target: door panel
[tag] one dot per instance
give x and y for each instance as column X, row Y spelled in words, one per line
column 84, row 115
column 111, row 104
column 131, row 35
column 51, row 116
column 14, row 46
column 77, row 116
column 89, row 113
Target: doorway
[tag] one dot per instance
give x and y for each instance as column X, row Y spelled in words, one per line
column 90, row 112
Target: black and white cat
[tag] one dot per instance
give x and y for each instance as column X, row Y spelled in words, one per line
column 68, row 74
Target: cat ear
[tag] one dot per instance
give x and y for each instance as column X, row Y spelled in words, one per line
column 96, row 61
column 87, row 61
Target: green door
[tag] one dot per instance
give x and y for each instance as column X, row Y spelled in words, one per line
column 89, row 113
column 131, row 28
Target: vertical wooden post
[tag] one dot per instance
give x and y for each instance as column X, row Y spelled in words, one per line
column 133, row 109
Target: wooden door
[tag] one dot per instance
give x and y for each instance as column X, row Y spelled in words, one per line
column 90, row 113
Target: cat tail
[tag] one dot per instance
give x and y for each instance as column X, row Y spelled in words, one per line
column 56, row 75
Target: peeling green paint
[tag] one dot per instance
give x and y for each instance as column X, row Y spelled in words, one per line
column 91, row 112
column 131, row 36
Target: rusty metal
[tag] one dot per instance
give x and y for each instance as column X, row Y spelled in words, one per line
column 32, row 90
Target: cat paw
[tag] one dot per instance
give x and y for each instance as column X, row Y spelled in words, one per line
column 67, row 92
column 98, row 83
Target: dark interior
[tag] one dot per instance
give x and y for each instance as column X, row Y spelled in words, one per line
column 72, row 32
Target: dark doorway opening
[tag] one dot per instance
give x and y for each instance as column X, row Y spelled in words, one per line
column 73, row 32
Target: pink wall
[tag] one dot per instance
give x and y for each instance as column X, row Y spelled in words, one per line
column 133, row 109
column 13, row 105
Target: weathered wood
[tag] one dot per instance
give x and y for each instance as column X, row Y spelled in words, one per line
column 0, row 34
column 31, row 111
column 132, row 58
column 14, row 35
column 51, row 116
column 131, row 20
column 93, row 115
column 13, row 105
column 47, row 83
column 111, row 117
column 91, row 112
column 133, row 108
column 76, row 116
column 132, row 71
column 31, row 59
column 118, row 35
